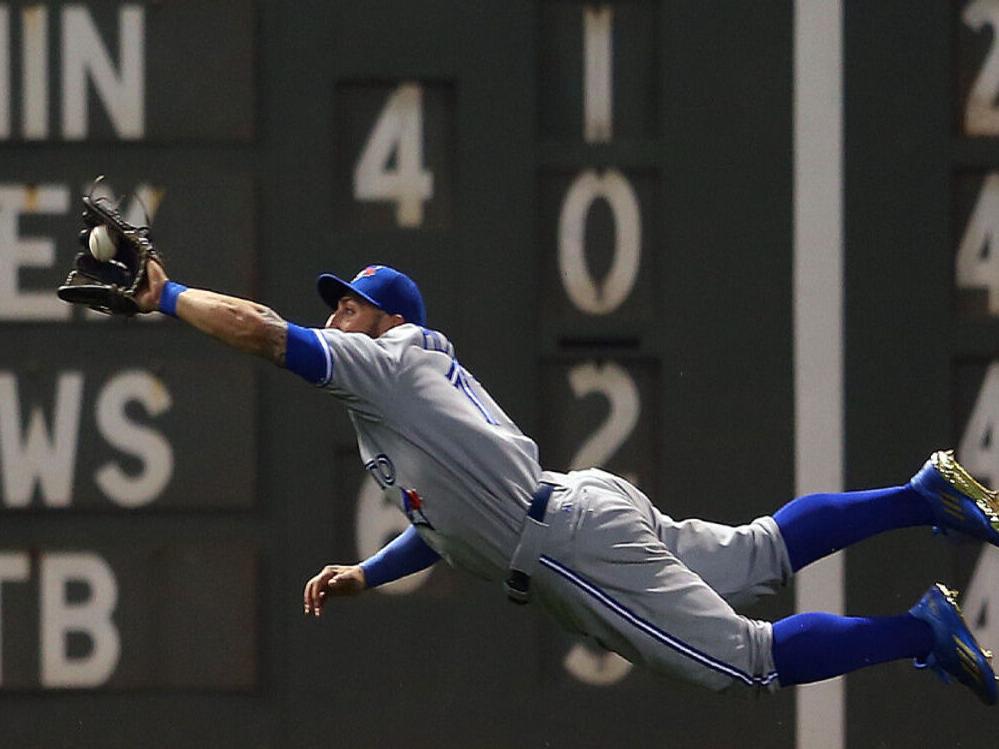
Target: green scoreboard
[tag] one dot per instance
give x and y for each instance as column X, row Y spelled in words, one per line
column 597, row 202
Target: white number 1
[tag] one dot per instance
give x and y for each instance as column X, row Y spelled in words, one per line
column 399, row 132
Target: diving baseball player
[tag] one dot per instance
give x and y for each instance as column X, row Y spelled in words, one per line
column 587, row 546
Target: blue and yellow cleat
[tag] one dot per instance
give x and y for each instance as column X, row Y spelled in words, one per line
column 956, row 654
column 959, row 502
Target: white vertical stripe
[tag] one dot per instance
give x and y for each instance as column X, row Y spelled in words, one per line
column 818, row 322
column 35, row 72
column 329, row 358
column 5, row 90
column 598, row 62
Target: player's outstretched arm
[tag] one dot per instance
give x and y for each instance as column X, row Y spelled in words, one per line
column 240, row 323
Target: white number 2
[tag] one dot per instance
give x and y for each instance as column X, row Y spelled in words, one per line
column 398, row 132
column 981, row 117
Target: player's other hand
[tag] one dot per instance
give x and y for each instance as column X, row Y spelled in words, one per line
column 332, row 580
column 148, row 297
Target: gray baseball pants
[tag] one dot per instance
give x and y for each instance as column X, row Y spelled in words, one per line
column 657, row 591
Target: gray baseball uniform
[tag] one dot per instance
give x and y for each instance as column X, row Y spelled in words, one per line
column 612, row 567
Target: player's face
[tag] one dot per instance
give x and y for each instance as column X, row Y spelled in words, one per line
column 353, row 315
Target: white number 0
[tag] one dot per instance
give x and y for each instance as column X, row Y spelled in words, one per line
column 398, row 131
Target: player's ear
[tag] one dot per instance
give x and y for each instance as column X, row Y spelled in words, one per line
column 390, row 321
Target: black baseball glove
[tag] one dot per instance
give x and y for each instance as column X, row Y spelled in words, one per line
column 109, row 286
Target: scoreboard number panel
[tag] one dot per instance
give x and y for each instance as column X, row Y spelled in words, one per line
column 602, row 413
column 609, row 53
column 115, row 432
column 127, row 71
column 978, row 67
column 977, row 413
column 394, row 151
column 976, row 264
column 39, row 222
column 600, row 269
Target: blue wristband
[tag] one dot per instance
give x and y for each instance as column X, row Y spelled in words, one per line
column 168, row 297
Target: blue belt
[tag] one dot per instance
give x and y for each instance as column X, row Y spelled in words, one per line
column 525, row 556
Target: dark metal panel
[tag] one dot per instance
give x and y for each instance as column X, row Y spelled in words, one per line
column 163, row 421
column 138, row 72
column 902, row 324
column 174, row 627
column 201, row 213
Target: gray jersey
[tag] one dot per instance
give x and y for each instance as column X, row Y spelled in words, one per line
column 431, row 436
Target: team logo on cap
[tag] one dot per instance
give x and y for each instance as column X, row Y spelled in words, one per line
column 368, row 272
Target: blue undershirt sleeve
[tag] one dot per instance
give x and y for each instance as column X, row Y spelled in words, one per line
column 307, row 356
column 405, row 554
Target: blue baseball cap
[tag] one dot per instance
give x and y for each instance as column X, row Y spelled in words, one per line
column 385, row 287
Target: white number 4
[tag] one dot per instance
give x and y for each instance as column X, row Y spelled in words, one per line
column 398, row 132
column 978, row 255
column 979, row 446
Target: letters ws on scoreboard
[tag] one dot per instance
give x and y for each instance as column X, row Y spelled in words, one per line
column 598, row 94
column 75, row 434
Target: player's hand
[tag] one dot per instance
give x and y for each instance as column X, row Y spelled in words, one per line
column 333, row 580
column 148, row 297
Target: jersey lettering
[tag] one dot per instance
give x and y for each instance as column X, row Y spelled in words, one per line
column 458, row 376
column 381, row 470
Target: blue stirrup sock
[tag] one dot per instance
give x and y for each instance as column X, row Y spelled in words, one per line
column 817, row 525
column 816, row 646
